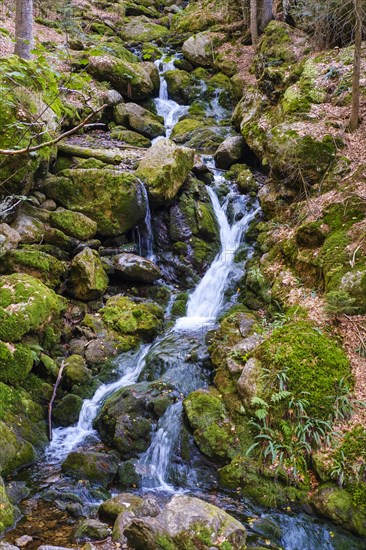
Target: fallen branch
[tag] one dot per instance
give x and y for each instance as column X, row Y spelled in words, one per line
column 50, row 405
column 26, row 150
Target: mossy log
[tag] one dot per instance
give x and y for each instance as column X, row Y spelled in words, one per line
column 111, row 156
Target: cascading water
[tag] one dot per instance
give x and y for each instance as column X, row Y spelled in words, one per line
column 167, row 108
column 145, row 236
column 65, row 440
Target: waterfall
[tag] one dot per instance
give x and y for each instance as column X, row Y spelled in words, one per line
column 206, row 301
column 68, row 439
column 165, row 107
column 145, row 236
column 153, row 464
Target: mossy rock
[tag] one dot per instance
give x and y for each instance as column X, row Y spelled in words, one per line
column 338, row 505
column 182, row 86
column 67, row 410
column 141, row 29
column 164, row 169
column 130, row 137
column 135, row 81
column 74, row 224
column 183, row 130
column 88, row 280
column 16, row 361
column 77, row 378
column 198, row 49
column 99, row 468
column 38, row 264
column 7, row 511
column 26, row 305
column 140, row 120
column 113, row 199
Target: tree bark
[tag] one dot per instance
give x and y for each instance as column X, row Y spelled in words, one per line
column 24, row 28
column 267, row 13
column 355, row 108
column 253, row 21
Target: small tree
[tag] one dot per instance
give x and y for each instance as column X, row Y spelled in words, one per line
column 267, row 13
column 355, row 108
column 24, row 28
column 253, row 21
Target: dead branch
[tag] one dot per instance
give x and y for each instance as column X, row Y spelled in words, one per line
column 50, row 405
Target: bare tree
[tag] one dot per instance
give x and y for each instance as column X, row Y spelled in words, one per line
column 267, row 13
column 24, row 28
column 355, row 108
column 253, row 21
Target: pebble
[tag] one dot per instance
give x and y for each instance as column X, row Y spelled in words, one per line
column 23, row 541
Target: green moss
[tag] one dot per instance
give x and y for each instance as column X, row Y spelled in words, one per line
column 26, row 304
column 16, row 361
column 132, row 138
column 7, row 512
column 182, row 131
column 128, row 318
column 36, row 263
column 74, row 224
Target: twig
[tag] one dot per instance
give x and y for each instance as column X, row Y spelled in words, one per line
column 52, row 141
column 50, row 405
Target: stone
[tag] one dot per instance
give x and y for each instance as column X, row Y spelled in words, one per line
column 127, row 502
column 131, row 267
column 67, row 411
column 36, row 263
column 164, row 169
column 75, row 373
column 74, row 224
column 113, row 199
column 248, row 380
column 129, row 137
column 186, row 518
column 132, row 80
column 230, row 151
column 7, row 511
column 91, row 529
column 199, row 49
column 26, row 305
column 23, row 541
column 139, row 119
column 87, row 280
column 98, row 468
column 49, row 205
column 141, row 29
column 9, row 238
column 29, row 229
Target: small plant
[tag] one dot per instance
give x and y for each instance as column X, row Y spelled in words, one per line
column 339, row 302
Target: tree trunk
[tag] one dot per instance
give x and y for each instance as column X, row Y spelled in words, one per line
column 267, row 13
column 253, row 21
column 355, row 109
column 24, row 28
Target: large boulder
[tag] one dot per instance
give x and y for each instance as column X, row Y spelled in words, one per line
column 74, row 224
column 199, row 49
column 115, row 200
column 139, row 119
column 136, row 81
column 141, row 29
column 39, row 264
column 7, row 512
column 99, row 468
column 131, row 267
column 87, row 280
column 189, row 519
column 164, row 169
column 26, row 305
column 230, row 152
column 9, row 238
column 126, row 502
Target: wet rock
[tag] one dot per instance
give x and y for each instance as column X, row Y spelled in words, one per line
column 87, row 280
column 139, row 119
column 99, row 468
column 67, row 410
column 7, row 511
column 17, row 491
column 76, row 375
column 128, row 416
column 338, row 505
column 74, row 224
column 115, row 199
column 127, row 502
column 133, row 80
column 127, row 476
column 186, row 518
column 230, row 151
column 164, row 169
column 182, row 86
column 9, row 238
column 131, row 267
column 100, row 350
column 47, row 547
column 91, row 529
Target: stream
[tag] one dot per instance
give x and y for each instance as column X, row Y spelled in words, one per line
column 180, row 356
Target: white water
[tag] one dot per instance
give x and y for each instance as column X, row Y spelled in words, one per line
column 206, row 301
column 167, row 108
column 153, row 464
column 65, row 440
column 145, row 234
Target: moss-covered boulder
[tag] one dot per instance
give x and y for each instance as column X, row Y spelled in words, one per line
column 136, row 81
column 127, row 502
column 29, row 229
column 131, row 267
column 87, row 280
column 164, row 169
column 198, row 49
column 91, row 529
column 114, row 200
column 7, row 512
column 36, row 263
column 230, row 152
column 141, row 29
column 183, row 130
column 183, row 87
column 77, row 378
column 74, row 224
column 16, row 361
column 128, row 417
column 189, row 519
column 26, row 305
column 9, row 238
column 99, row 468
column 66, row 412
column 139, row 119
column 129, row 137
column 338, row 505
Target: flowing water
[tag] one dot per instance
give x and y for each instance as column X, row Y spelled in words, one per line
column 180, row 358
